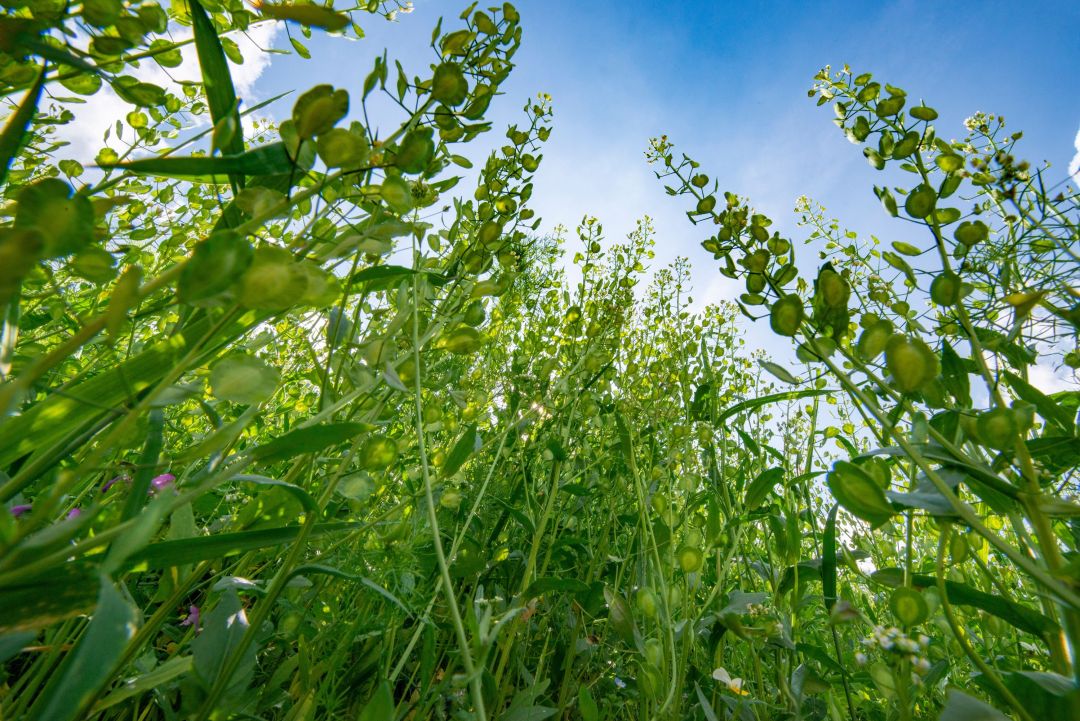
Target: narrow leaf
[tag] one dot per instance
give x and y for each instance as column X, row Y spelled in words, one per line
column 828, row 560
column 14, row 135
column 217, row 80
column 88, row 667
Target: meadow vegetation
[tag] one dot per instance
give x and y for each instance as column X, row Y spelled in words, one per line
column 308, row 419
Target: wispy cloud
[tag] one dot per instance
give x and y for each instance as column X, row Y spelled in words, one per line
column 1074, row 166
column 101, row 110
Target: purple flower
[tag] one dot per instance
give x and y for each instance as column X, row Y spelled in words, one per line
column 162, row 482
column 109, row 484
column 74, row 513
column 20, row 509
column 192, row 617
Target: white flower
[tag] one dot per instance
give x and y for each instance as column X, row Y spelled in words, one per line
column 733, row 684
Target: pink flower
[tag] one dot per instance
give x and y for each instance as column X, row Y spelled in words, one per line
column 20, row 509
column 160, row 483
column 192, row 617
column 74, row 513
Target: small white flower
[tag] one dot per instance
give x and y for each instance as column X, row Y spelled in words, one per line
column 733, row 684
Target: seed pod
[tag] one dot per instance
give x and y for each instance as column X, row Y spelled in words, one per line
column 920, row 202
column 834, row 290
column 650, row 682
column 874, row 339
column 397, row 193
column 489, row 233
column 924, row 113
column 654, row 652
column 958, row 548
column 449, row 86
column 909, row 606
column 971, row 232
column 475, row 314
column 416, row 151
column 690, row 558
column 462, row 341
column 945, row 290
column 997, row 428
column 450, row 499
column 757, row 261
column 911, row 363
column 646, row 601
column 19, row 252
column 273, row 280
column 755, row 283
column 377, row 453
column 319, row 109
column 787, row 315
column 700, row 180
column 706, row 204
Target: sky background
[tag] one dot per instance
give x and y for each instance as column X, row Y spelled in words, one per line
column 727, row 82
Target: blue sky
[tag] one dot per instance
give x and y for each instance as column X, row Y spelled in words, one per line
column 727, row 83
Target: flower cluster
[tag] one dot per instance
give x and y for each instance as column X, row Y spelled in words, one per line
column 898, row 646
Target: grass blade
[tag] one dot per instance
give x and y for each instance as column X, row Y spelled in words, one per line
column 14, row 134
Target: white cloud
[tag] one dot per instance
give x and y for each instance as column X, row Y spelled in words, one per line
column 1074, row 166
column 103, row 109
column 1047, row 380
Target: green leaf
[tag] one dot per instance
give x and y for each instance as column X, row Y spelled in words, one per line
column 961, row 707
column 310, row 15
column 223, row 630
column 739, row 602
column 160, row 676
column 380, row 707
column 1022, row 617
column 547, row 585
column 217, row 81
column 587, row 704
column 858, row 493
column 779, row 371
column 620, row 617
column 754, row 403
column 828, row 560
column 368, row 583
column 465, row 446
column 295, row 491
column 906, row 248
column 1045, row 695
column 307, row 440
column 135, row 538
column 269, row 159
column 14, row 135
column 243, row 379
column 761, row 486
column 89, row 666
column 954, row 374
column 63, row 592
column 12, row 644
column 148, row 465
column 221, row 545
column 1057, row 453
column 1047, row 408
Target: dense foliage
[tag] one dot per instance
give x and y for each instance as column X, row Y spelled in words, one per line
column 294, row 427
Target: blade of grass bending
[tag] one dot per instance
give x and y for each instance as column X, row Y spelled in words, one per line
column 217, row 81
column 14, row 134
